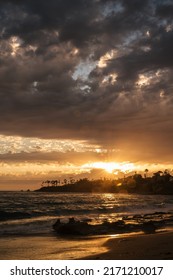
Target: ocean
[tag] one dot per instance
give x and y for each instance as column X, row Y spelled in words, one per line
column 33, row 213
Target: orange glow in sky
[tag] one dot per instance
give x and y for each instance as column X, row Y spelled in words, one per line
column 111, row 167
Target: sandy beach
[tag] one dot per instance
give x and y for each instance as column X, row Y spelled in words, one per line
column 127, row 247
column 156, row 246
column 50, row 247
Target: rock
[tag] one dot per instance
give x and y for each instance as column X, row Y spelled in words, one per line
column 83, row 228
column 73, row 227
column 148, row 227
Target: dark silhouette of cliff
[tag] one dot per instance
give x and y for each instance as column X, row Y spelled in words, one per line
column 159, row 183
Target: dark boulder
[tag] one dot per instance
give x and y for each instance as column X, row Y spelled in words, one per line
column 148, row 227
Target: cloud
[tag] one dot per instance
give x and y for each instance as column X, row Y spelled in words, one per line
column 126, row 104
column 61, row 158
column 165, row 10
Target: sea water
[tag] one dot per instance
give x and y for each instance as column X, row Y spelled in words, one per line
column 34, row 213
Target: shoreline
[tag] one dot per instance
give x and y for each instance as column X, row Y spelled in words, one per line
column 137, row 246
column 50, row 247
column 157, row 246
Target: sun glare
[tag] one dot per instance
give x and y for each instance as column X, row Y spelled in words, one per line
column 111, row 167
column 107, row 166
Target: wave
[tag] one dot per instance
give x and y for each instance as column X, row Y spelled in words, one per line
column 69, row 210
column 33, row 212
column 4, row 215
column 39, row 225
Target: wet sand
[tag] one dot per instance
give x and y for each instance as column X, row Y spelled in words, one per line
column 49, row 247
column 156, row 246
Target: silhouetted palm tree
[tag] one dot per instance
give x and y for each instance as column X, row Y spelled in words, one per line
column 65, row 181
column 47, row 182
column 146, row 172
column 52, row 183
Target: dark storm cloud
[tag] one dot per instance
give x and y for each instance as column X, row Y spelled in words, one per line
column 70, row 18
column 165, row 10
column 127, row 102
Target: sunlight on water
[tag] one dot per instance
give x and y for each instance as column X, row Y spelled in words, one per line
column 36, row 212
column 26, row 221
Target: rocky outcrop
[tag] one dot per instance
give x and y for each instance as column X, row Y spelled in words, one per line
column 74, row 227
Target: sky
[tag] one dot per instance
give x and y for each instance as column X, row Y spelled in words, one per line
column 85, row 87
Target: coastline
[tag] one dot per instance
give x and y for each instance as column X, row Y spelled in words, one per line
column 35, row 238
column 157, row 246
column 50, row 247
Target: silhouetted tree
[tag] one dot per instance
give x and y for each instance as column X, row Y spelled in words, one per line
column 47, row 182
column 146, row 172
column 65, row 181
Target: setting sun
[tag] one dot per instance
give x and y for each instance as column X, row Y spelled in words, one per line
column 86, row 136
column 111, row 167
